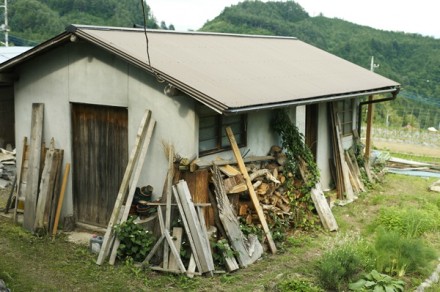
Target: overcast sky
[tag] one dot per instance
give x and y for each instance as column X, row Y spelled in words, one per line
column 411, row 16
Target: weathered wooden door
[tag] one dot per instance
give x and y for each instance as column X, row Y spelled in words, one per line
column 311, row 136
column 100, row 157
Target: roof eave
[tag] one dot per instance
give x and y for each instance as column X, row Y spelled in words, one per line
column 328, row 98
column 37, row 50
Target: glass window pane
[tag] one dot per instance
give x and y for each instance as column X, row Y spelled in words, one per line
column 208, row 145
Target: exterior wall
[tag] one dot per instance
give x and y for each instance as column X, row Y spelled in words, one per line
column 324, row 151
column 175, row 123
column 45, row 80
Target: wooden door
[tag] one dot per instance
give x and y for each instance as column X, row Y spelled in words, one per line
column 311, row 136
column 100, row 157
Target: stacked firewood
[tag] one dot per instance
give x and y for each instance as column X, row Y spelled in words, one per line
column 268, row 180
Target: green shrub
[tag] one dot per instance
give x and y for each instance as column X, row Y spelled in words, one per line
column 343, row 263
column 398, row 254
column 408, row 222
column 375, row 281
column 136, row 242
column 298, row 286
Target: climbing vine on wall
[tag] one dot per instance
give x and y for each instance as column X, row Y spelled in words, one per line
column 300, row 161
column 301, row 169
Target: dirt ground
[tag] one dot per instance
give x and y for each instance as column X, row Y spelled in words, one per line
column 414, row 149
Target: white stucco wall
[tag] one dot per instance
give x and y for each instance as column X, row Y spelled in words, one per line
column 44, row 80
column 175, row 124
column 323, row 151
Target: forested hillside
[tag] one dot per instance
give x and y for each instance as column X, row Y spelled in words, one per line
column 33, row 21
column 411, row 59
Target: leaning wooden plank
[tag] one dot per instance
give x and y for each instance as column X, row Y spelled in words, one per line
column 61, row 199
column 248, row 250
column 187, row 229
column 206, row 261
column 230, row 262
column 204, row 234
column 324, row 211
column 169, row 149
column 252, row 193
column 133, row 183
column 154, row 249
column 191, row 267
column 177, row 240
column 20, row 178
column 169, row 241
column 49, row 214
column 34, row 166
column 109, row 234
column 347, row 185
column 45, row 188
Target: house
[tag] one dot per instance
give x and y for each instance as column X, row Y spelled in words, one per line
column 96, row 83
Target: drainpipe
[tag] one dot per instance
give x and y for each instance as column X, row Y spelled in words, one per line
column 362, row 103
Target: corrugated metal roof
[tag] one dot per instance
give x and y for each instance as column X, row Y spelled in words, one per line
column 7, row 53
column 238, row 72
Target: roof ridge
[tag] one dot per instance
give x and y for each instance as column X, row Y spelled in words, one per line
column 75, row 27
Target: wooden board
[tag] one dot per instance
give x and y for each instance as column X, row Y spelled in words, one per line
column 33, row 175
column 198, row 184
column 45, row 187
column 133, row 183
column 199, row 237
column 177, row 240
column 248, row 250
column 22, row 178
column 324, row 211
column 252, row 193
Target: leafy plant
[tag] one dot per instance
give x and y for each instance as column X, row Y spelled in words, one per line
column 299, row 166
column 375, row 281
column 298, row 285
column 223, row 250
column 136, row 242
column 338, row 266
column 408, row 222
column 346, row 258
column 397, row 254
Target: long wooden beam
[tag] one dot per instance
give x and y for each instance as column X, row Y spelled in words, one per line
column 252, row 193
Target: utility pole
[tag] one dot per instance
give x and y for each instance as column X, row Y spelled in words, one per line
column 369, row 119
column 5, row 27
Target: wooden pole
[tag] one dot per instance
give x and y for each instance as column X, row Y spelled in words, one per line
column 368, row 133
column 252, row 193
column 61, row 199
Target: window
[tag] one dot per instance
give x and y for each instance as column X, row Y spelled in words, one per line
column 345, row 114
column 212, row 134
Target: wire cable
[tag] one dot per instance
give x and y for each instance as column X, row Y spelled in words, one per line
column 158, row 78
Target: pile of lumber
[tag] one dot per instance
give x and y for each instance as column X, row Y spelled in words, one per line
column 347, row 174
column 38, row 182
column 194, row 228
column 7, row 167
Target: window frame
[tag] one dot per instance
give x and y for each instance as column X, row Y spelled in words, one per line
column 345, row 112
column 220, row 123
